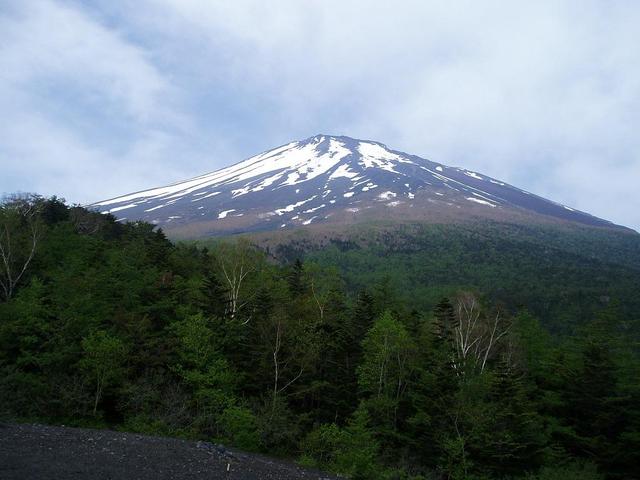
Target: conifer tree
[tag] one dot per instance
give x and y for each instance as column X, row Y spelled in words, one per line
column 444, row 320
column 433, row 393
column 363, row 315
column 514, row 440
column 295, row 278
column 593, row 405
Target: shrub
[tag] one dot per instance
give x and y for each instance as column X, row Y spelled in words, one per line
column 239, row 428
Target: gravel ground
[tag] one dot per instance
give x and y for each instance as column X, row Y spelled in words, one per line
column 61, row 453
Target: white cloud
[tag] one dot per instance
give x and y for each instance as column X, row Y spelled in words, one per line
column 68, row 85
column 51, row 43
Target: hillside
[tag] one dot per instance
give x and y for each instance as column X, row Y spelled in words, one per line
column 113, row 326
column 560, row 273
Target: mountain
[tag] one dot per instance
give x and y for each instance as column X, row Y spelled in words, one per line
column 334, row 180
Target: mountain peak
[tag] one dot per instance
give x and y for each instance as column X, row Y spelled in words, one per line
column 344, row 139
column 328, row 179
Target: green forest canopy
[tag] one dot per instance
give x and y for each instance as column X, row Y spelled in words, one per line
column 104, row 323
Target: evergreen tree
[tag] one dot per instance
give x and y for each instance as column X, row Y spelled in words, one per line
column 363, row 316
column 593, row 406
column 215, row 294
column 295, row 279
column 444, row 320
column 514, row 440
column 358, row 453
column 334, row 385
column 435, row 389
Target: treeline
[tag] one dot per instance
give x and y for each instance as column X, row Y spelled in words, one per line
column 561, row 274
column 109, row 324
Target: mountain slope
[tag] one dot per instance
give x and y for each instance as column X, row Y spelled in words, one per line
column 563, row 274
column 331, row 179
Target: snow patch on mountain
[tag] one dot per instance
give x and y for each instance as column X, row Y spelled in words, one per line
column 473, row 175
column 482, row 202
column 292, row 207
column 387, row 195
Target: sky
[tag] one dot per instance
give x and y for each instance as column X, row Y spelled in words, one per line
column 102, row 98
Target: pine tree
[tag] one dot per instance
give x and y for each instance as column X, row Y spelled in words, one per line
column 214, row 292
column 444, row 320
column 514, row 440
column 432, row 393
column 593, row 405
column 335, row 377
column 363, row 315
column 358, row 454
column 295, row 279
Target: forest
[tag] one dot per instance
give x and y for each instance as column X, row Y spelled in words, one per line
column 108, row 324
column 561, row 274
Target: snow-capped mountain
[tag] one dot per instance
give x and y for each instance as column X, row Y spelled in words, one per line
column 332, row 179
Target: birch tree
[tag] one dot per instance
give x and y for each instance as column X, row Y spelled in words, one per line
column 20, row 233
column 476, row 336
column 321, row 281
column 385, row 367
column 293, row 349
column 103, row 362
column 238, row 262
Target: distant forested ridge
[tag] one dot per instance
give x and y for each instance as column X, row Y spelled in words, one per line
column 105, row 323
column 563, row 274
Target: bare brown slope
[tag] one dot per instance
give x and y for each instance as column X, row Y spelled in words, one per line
column 427, row 207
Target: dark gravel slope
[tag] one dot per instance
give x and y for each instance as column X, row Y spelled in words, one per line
column 45, row 452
